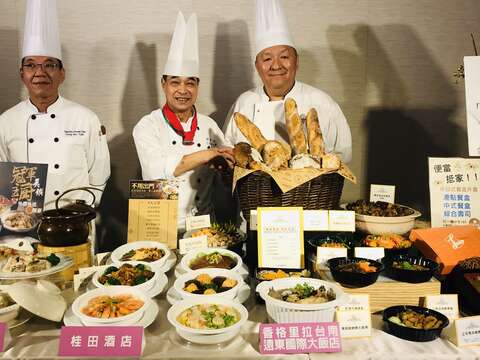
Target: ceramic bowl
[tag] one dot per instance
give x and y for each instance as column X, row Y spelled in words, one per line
column 147, row 285
column 7, row 214
column 190, row 256
column 122, row 250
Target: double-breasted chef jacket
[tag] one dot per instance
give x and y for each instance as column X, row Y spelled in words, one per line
column 269, row 116
column 68, row 137
column 160, row 149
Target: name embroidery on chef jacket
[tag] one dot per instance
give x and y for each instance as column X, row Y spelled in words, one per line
column 75, row 132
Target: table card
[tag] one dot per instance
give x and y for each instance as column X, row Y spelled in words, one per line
column 315, row 220
column 464, row 331
column 357, row 302
column 472, row 102
column 253, row 220
column 280, row 237
column 385, row 193
column 372, row 253
column 354, row 324
column 197, row 222
column 101, row 341
column 341, row 220
column 326, row 253
column 299, row 338
column 446, row 304
column 192, row 243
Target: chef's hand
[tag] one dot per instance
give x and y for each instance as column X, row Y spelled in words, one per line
column 222, row 159
column 218, row 158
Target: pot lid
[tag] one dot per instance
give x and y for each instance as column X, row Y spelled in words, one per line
column 42, row 298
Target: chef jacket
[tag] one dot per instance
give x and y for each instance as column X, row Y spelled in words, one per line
column 68, row 137
column 160, row 149
column 269, row 117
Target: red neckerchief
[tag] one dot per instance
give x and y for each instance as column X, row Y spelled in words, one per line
column 174, row 122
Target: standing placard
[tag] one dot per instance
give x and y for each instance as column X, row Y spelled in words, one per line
column 152, row 211
column 454, row 191
column 472, row 102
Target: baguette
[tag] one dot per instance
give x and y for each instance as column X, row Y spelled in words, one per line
column 250, row 131
column 294, row 127
column 316, row 145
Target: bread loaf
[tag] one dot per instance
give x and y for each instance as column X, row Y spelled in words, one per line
column 295, row 127
column 331, row 161
column 243, row 154
column 302, row 161
column 274, row 155
column 250, row 131
column 316, row 146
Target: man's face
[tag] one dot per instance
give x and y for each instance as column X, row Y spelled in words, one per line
column 277, row 66
column 180, row 92
column 42, row 81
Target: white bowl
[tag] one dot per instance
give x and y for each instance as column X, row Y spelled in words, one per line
column 129, row 319
column 5, row 215
column 9, row 312
column 147, row 285
column 122, row 250
column 188, row 257
column 284, row 312
column 229, row 294
column 207, row 336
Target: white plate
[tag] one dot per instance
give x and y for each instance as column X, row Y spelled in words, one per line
column 120, row 251
column 243, row 271
column 65, row 262
column 243, row 294
column 146, row 320
column 22, row 318
column 155, row 290
column 9, row 213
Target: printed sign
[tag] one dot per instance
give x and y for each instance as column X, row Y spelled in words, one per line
column 472, row 102
column 465, row 331
column 341, row 220
column 354, row 324
column 280, row 237
column 454, row 191
column 385, row 193
column 154, row 189
column 325, row 253
column 356, row 303
column 101, row 341
column 197, row 222
column 372, row 253
column 315, row 220
column 300, row 338
column 445, row 304
column 22, row 186
column 192, row 243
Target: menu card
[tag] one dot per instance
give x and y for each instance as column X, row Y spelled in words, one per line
column 385, row 193
column 464, row 331
column 152, row 211
column 280, row 237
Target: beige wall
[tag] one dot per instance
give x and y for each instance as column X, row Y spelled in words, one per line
column 388, row 63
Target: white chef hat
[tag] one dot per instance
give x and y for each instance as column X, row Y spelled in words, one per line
column 183, row 55
column 271, row 25
column 41, row 37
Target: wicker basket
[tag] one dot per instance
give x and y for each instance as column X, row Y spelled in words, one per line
column 260, row 190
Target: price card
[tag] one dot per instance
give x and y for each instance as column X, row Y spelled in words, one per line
column 356, row 303
column 197, row 222
column 465, row 331
column 101, row 341
column 372, row 253
column 253, row 220
column 280, row 237
column 341, row 220
column 315, row 220
column 446, row 304
column 326, row 253
column 385, row 193
column 193, row 243
column 300, row 338
column 354, row 324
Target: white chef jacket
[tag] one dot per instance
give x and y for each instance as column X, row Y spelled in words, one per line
column 269, row 116
column 160, row 149
column 67, row 137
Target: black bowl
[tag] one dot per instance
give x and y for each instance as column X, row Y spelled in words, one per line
column 412, row 334
column 411, row 276
column 353, row 279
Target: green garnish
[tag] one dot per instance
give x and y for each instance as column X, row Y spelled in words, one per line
column 53, row 259
column 140, row 280
column 112, row 281
column 228, row 320
column 109, row 270
column 304, row 290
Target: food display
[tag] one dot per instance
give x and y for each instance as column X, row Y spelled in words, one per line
column 19, row 220
column 212, row 260
column 303, row 294
column 412, row 319
column 280, row 274
column 126, row 274
column 333, row 245
column 30, row 263
column 407, row 265
column 209, row 316
column 379, row 208
column 364, row 267
column 220, row 235
column 143, row 254
column 388, row 241
column 6, row 252
column 107, row 307
column 204, row 284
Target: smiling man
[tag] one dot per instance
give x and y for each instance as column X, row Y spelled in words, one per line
column 47, row 128
column 176, row 142
column 277, row 63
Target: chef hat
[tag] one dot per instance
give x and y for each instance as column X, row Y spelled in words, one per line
column 41, row 37
column 271, row 25
column 183, row 55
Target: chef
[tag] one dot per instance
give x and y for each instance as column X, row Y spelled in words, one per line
column 176, row 142
column 47, row 128
column 277, row 63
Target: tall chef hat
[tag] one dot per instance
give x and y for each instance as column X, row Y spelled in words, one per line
column 271, row 25
column 183, row 55
column 41, row 37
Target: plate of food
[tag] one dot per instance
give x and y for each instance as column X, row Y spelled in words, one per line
column 211, row 258
column 226, row 236
column 19, row 221
column 153, row 252
column 394, row 244
column 33, row 265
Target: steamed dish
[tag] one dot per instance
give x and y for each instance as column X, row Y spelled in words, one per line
column 107, row 307
column 303, row 294
column 212, row 260
column 19, row 220
column 388, row 241
column 204, row 284
column 416, row 320
column 209, row 316
column 143, row 254
column 30, row 263
column 363, row 267
column 379, row 208
column 126, row 274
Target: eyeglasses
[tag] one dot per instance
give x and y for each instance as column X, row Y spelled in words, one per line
column 48, row 67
